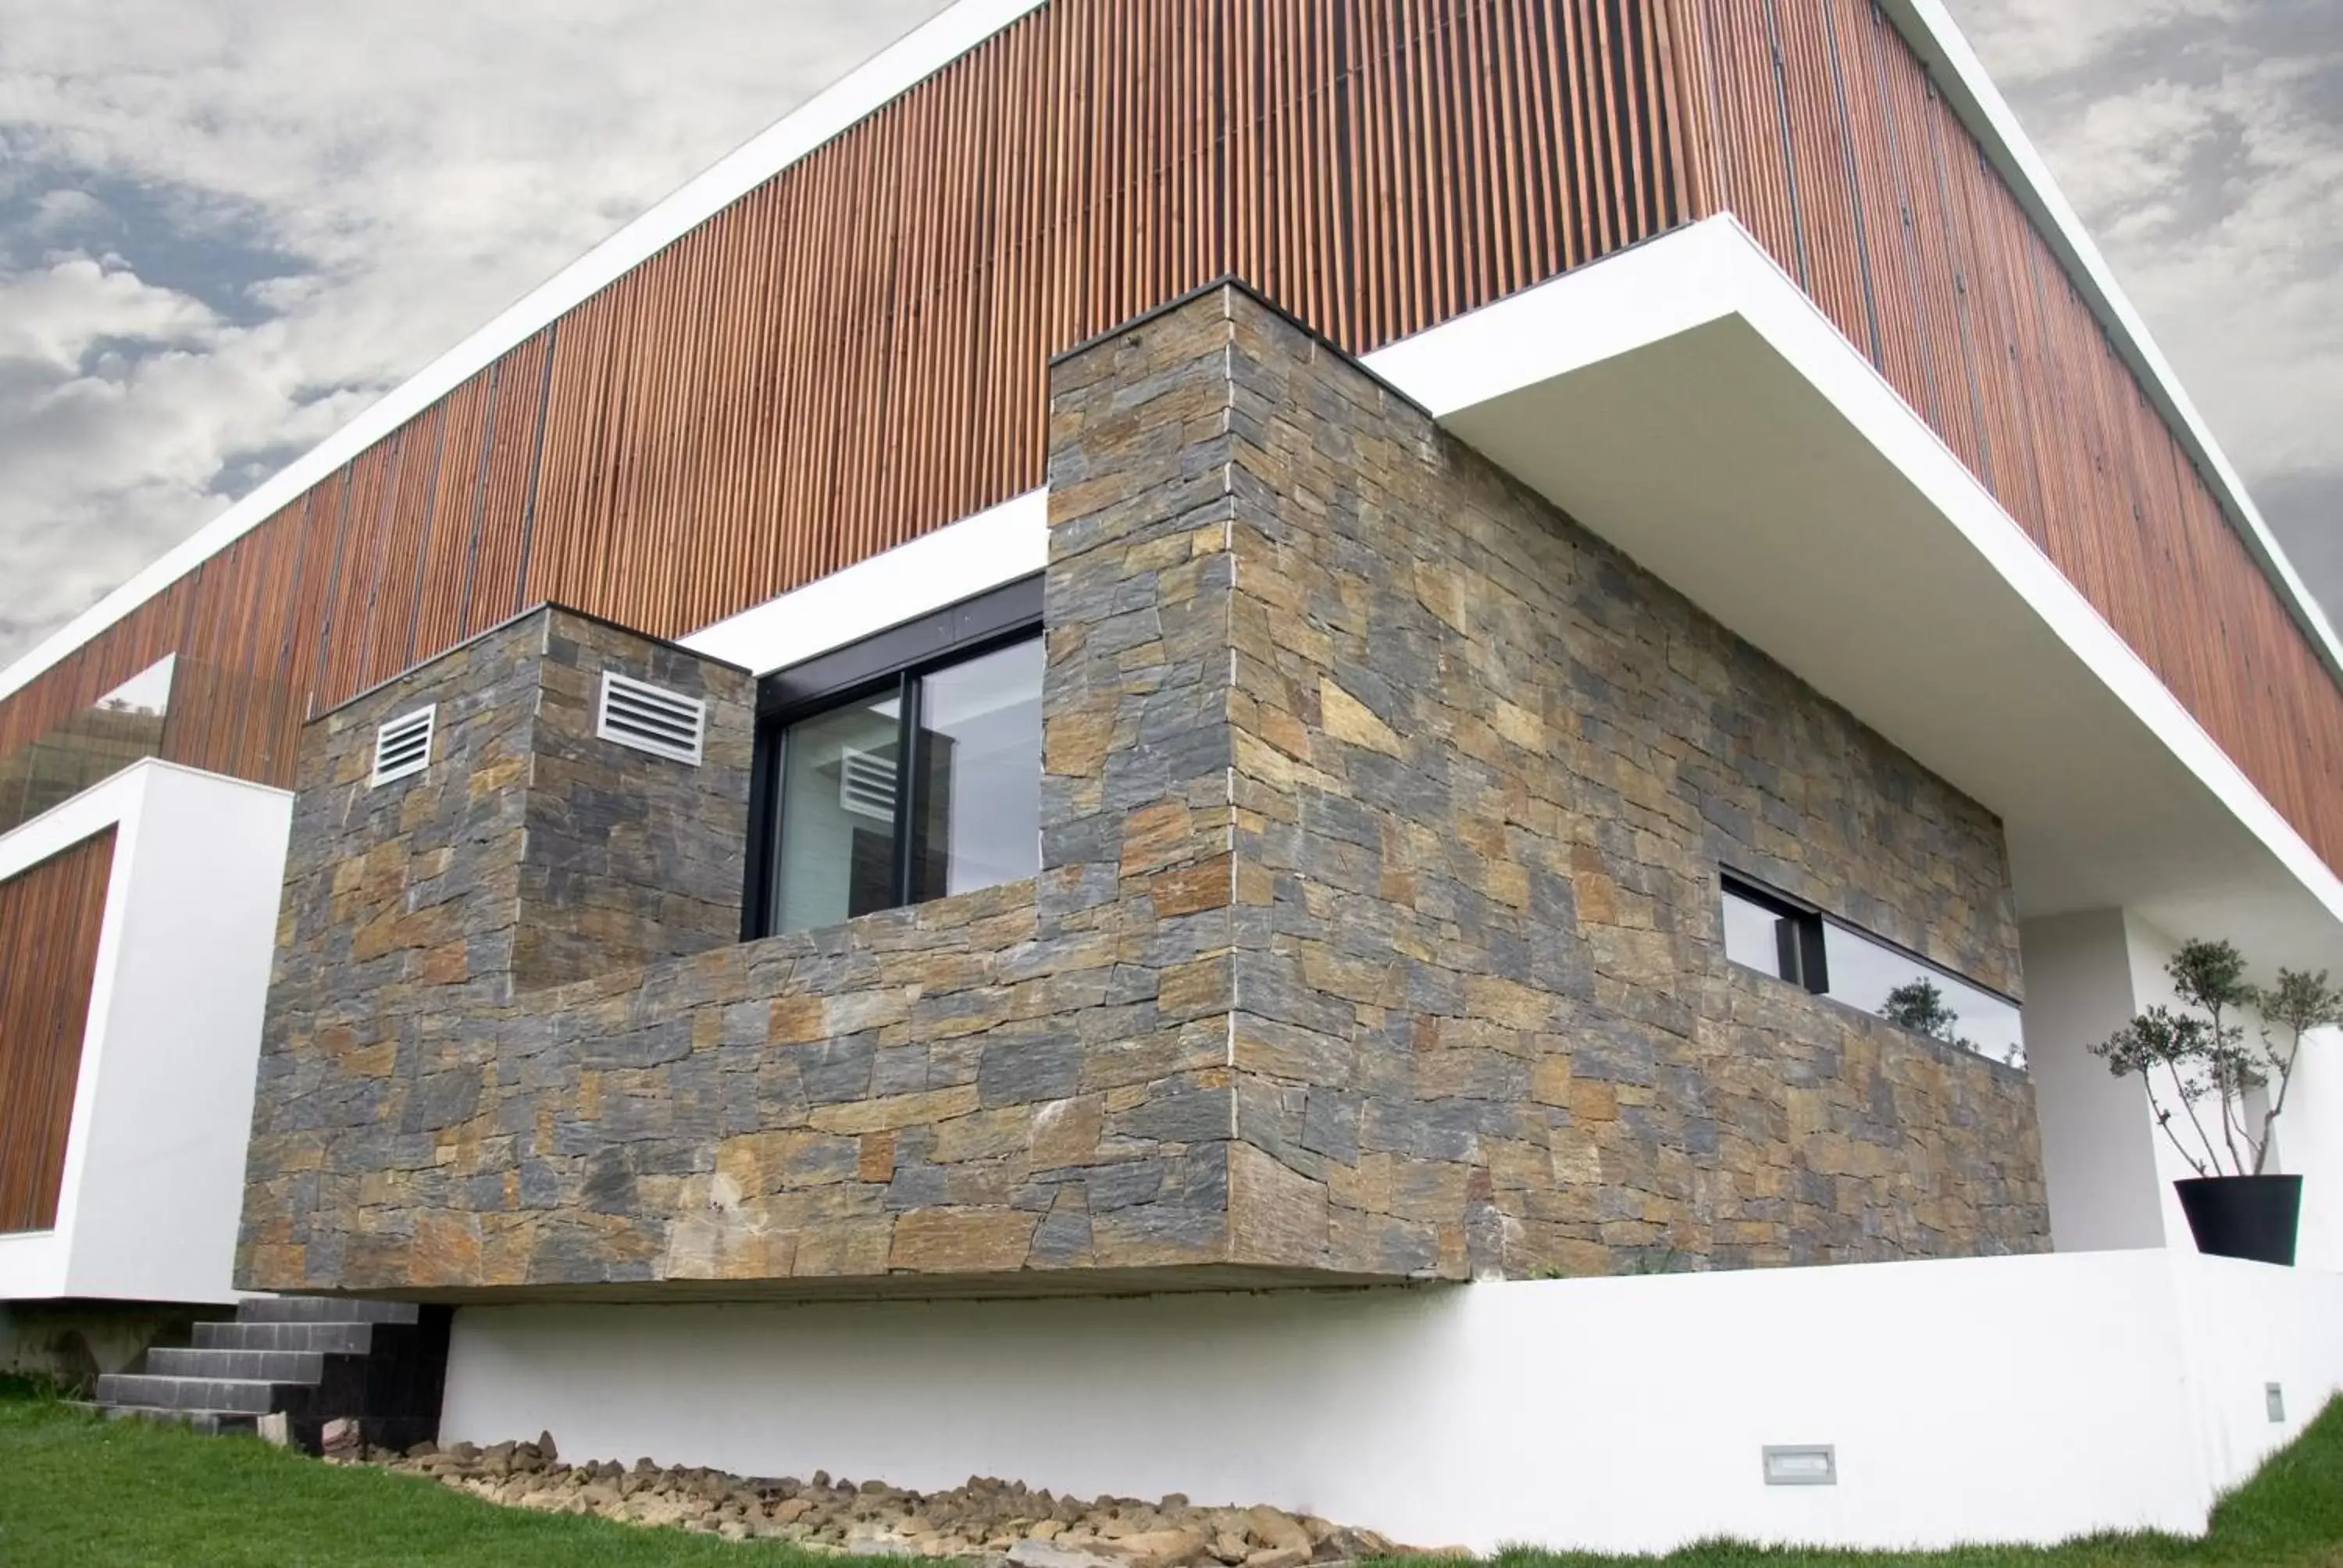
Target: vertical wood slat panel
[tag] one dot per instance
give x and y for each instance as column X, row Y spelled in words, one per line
column 855, row 351
column 51, row 915
column 1978, row 325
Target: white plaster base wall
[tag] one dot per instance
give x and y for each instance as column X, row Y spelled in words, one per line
column 2008, row 1399
column 154, row 1168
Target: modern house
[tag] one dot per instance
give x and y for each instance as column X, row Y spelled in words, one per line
column 1186, row 746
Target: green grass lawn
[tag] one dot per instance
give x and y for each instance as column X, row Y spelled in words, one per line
column 2289, row 1515
column 79, row 1493
column 76, row 1491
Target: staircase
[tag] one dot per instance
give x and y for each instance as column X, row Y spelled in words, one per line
column 311, row 1359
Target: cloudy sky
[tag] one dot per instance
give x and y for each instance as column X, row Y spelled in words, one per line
column 228, row 226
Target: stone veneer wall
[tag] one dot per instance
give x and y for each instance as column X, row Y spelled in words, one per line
column 1488, row 772
column 1377, row 935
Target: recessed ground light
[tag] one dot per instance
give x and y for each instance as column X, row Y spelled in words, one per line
column 1801, row 1464
column 2274, row 1398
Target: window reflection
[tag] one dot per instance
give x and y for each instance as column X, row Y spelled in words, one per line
column 981, row 756
column 839, row 778
column 858, row 830
column 1770, row 933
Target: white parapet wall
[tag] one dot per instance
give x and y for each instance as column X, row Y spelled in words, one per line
column 153, row 1166
column 2002, row 1398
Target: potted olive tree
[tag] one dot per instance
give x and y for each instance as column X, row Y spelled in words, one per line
column 2217, row 1096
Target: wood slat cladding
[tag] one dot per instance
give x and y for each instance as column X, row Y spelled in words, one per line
column 854, row 352
column 1818, row 127
column 50, row 917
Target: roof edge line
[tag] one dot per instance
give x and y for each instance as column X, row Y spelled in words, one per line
column 885, row 76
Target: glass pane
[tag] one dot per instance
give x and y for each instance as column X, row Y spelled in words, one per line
column 1751, row 934
column 839, row 777
column 1879, row 980
column 981, row 761
column 121, row 727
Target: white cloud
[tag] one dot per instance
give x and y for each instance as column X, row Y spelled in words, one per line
column 55, row 315
column 2027, row 40
column 357, row 187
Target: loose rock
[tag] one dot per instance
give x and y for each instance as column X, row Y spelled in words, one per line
column 1007, row 1523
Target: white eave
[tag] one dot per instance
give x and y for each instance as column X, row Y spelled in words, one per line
column 1686, row 401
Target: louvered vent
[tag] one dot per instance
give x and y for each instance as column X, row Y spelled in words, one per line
column 651, row 719
column 866, row 784
column 403, row 745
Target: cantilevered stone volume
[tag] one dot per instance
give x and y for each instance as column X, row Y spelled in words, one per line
column 1376, row 935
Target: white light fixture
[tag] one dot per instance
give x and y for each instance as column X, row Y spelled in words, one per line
column 1801, row 1464
column 2274, row 1399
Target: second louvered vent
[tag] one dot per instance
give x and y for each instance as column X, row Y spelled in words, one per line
column 651, row 718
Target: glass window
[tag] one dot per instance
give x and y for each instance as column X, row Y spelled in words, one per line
column 857, row 831
column 838, row 783
column 1920, row 997
column 1767, row 933
column 980, row 821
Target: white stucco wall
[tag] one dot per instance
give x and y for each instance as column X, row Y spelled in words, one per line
column 154, row 1169
column 2108, row 1169
column 2098, row 1132
column 2310, row 1144
column 1985, row 1399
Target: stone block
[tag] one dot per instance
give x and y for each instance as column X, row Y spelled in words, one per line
column 1377, row 933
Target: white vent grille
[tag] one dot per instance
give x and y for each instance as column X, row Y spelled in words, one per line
column 403, row 745
column 651, row 718
column 866, row 784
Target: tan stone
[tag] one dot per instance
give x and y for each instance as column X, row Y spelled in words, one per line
column 1066, row 1131
column 1276, row 1214
column 960, row 1240
column 1166, row 1548
column 1157, row 836
column 894, row 1111
column 1550, row 1080
column 842, row 1249
column 447, row 964
column 1345, row 717
column 1193, row 990
column 1508, row 1002
column 795, row 1020
column 1191, row 889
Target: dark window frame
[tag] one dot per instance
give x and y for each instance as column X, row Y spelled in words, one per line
column 897, row 659
column 1798, row 957
column 1788, row 906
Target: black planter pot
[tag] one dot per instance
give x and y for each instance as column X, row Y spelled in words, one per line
column 2249, row 1217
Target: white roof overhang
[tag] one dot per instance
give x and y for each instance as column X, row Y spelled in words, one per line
column 1688, row 402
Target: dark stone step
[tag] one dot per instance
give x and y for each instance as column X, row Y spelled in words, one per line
column 240, row 1395
column 308, row 1358
column 211, row 1422
column 323, row 1309
column 257, row 1365
column 345, row 1339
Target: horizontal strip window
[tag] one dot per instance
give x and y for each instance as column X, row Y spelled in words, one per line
column 1791, row 939
column 905, row 768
